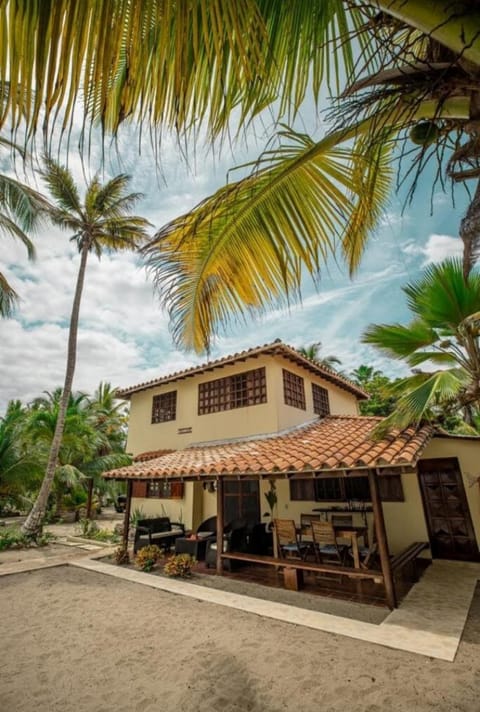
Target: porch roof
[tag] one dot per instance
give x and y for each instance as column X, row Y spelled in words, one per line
column 335, row 444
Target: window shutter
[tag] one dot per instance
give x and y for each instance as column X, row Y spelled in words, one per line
column 177, row 490
column 139, row 489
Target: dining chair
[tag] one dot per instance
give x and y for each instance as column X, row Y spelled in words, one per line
column 325, row 543
column 288, row 541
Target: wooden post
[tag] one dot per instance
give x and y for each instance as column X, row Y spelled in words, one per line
column 126, row 517
column 220, row 525
column 89, row 498
column 379, row 524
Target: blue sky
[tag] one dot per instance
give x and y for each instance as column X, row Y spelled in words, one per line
column 124, row 336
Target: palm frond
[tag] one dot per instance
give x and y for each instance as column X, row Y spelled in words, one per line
column 27, row 205
column 418, row 394
column 8, row 297
column 175, row 64
column 442, row 295
column 61, row 185
column 400, row 341
column 244, row 248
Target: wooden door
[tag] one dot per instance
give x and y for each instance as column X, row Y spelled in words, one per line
column 241, row 500
column 446, row 509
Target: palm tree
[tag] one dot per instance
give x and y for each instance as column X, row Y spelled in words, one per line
column 20, row 470
column 101, row 222
column 363, row 374
column 412, row 70
column 305, row 199
column 444, row 333
column 21, row 209
column 313, row 352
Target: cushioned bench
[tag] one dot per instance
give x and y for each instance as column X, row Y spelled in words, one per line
column 159, row 530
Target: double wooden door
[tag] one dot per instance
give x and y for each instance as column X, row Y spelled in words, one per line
column 448, row 516
column 241, row 500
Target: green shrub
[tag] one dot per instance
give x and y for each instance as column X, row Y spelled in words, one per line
column 90, row 530
column 147, row 557
column 179, row 565
column 13, row 538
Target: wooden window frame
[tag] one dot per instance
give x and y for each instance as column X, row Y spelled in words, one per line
column 164, row 489
column 164, row 407
column 239, row 390
column 294, row 390
column 391, row 491
column 321, row 400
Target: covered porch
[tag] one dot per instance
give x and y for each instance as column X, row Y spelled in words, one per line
column 334, row 449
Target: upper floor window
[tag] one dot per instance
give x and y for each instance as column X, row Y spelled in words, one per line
column 321, row 405
column 294, row 390
column 164, row 407
column 238, row 391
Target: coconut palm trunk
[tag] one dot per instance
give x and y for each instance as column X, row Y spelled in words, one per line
column 470, row 233
column 102, row 221
column 34, row 521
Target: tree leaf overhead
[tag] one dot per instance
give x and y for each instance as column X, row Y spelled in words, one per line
column 244, row 248
column 170, row 64
column 444, row 334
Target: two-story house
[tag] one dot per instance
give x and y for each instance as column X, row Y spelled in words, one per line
column 270, row 414
column 261, row 391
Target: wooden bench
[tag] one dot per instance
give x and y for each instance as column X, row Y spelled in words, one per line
column 293, row 569
column 407, row 556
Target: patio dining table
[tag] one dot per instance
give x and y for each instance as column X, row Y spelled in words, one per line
column 353, row 533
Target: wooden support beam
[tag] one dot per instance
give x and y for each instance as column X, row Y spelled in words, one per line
column 379, row 524
column 126, row 516
column 220, row 525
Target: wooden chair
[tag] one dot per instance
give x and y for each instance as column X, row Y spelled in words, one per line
column 325, row 544
column 288, row 541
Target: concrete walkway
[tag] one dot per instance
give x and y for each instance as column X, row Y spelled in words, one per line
column 429, row 621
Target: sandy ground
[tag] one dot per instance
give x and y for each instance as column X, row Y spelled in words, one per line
column 72, row 640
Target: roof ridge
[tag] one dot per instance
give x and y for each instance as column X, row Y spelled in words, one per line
column 325, row 371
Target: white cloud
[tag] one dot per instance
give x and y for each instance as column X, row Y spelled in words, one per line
column 436, row 249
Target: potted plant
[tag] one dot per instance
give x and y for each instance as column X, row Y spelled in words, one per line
column 272, row 499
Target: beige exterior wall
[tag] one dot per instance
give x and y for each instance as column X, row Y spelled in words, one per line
column 341, row 401
column 269, row 417
column 252, row 420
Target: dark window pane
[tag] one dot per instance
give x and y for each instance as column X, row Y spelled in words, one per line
column 164, row 407
column 302, row 490
column 238, row 391
column 321, row 404
column 293, row 390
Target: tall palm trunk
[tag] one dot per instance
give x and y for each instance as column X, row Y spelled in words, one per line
column 470, row 233
column 34, row 522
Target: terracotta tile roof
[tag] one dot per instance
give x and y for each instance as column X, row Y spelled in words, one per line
column 331, row 444
column 151, row 455
column 275, row 348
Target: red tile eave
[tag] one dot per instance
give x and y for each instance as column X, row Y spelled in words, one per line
column 333, row 445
